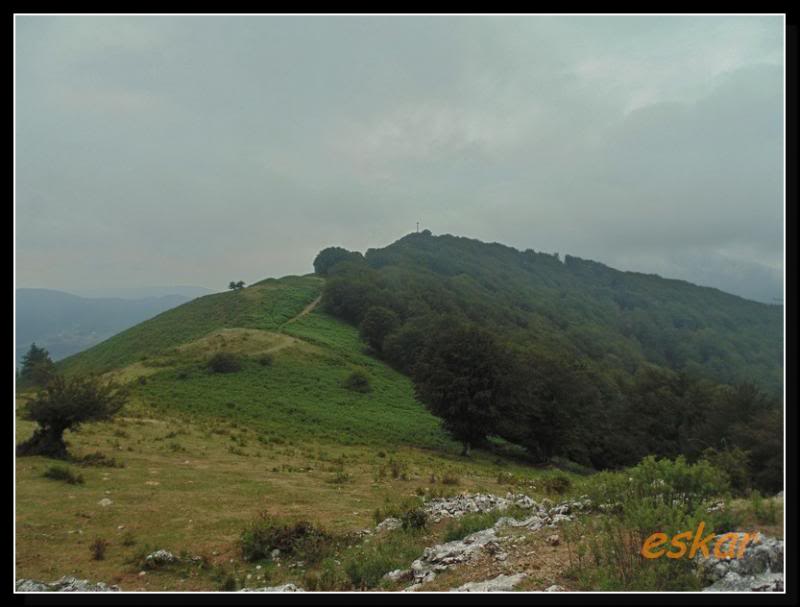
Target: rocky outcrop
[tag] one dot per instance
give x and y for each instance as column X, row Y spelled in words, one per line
column 65, row 584
column 284, row 588
column 760, row 568
column 159, row 558
column 444, row 556
column 502, row 583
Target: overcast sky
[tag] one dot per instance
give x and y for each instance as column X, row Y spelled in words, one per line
column 199, row 150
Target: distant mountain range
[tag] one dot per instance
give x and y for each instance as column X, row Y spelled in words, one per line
column 64, row 323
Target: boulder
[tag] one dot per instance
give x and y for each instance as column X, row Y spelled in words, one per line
column 502, row 583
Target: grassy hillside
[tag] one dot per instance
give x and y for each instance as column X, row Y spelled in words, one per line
column 199, row 455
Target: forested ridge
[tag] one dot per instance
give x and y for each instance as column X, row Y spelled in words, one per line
column 568, row 358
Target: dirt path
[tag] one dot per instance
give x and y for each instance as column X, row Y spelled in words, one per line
column 307, row 310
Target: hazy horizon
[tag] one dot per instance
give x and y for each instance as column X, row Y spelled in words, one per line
column 197, row 150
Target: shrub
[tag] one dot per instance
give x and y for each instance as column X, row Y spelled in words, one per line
column 301, row 539
column 224, row 362
column 414, row 519
column 128, row 539
column 734, row 463
column 558, row 484
column 98, row 459
column 265, row 360
column 98, row 549
column 62, row 473
column 450, row 478
column 357, row 381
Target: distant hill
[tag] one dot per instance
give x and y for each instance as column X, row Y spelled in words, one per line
column 64, row 323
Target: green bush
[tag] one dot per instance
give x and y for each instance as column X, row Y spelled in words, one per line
column 558, row 484
column 358, row 381
column 62, row 473
column 470, row 523
column 414, row 519
column 224, row 362
column 301, row 539
column 265, row 360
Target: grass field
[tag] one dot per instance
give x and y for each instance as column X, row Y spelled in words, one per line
column 203, row 453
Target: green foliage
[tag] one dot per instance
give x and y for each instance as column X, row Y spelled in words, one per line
column 236, row 286
column 556, row 483
column 668, row 496
column 415, row 518
column 301, row 540
column 459, row 378
column 37, row 367
column 224, row 362
column 764, row 510
column 62, row 473
column 377, row 323
column 329, row 257
column 358, row 381
column 366, row 565
column 734, row 464
column 471, row 523
column 66, row 404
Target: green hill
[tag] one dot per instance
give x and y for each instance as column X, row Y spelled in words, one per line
column 583, row 309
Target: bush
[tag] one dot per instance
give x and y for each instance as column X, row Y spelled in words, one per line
column 357, row 381
column 301, row 539
column 98, row 549
column 98, row 459
column 558, row 484
column 414, row 519
column 61, row 473
column 224, row 362
column 265, row 360
column 734, row 464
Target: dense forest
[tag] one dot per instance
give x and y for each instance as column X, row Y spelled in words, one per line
column 569, row 358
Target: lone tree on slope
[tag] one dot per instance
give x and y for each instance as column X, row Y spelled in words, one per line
column 236, row 285
column 65, row 404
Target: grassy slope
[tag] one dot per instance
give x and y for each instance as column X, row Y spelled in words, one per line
column 204, row 453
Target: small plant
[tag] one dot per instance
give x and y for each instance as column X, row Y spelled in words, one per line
column 450, row 478
column 99, row 459
column 341, row 477
column 62, row 473
column 98, row 549
column 414, row 519
column 558, row 484
column 265, row 360
column 301, row 539
column 224, row 362
column 358, row 381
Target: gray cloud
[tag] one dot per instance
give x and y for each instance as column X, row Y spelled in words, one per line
column 158, row 150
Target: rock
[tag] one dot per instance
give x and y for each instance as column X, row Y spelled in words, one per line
column 502, row 583
column 65, row 584
column 398, row 575
column 779, row 494
column 553, row 540
column 275, row 554
column 389, row 524
column 284, row 588
column 105, row 502
column 443, row 556
column 159, row 558
column 555, row 588
column 760, row 567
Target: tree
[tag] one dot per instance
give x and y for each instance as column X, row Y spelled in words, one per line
column 65, row 404
column 377, row 323
column 37, row 367
column 460, row 378
column 329, row 257
column 235, row 286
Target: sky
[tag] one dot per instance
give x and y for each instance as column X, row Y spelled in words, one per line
column 191, row 150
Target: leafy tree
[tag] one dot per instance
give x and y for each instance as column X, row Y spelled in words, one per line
column 377, row 323
column 329, row 257
column 224, row 362
column 460, row 379
column 65, row 404
column 236, row 286
column 37, row 367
